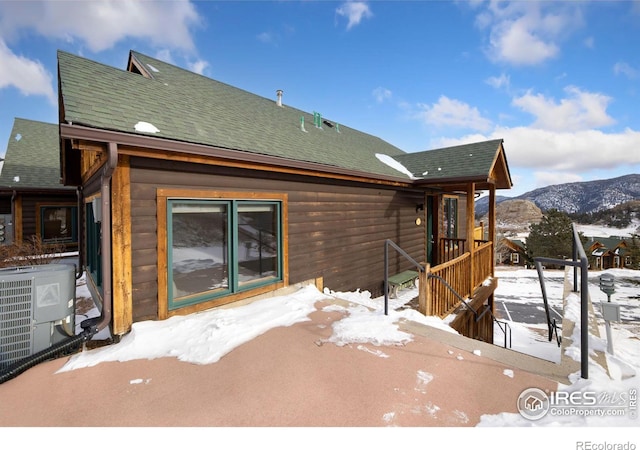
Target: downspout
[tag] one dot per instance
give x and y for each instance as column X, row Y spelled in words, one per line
column 79, row 223
column 89, row 326
column 105, row 230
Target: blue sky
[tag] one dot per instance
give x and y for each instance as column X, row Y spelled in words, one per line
column 558, row 81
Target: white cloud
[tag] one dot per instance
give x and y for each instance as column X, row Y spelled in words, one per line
column 100, row 24
column 354, row 12
column 266, row 37
column 514, row 42
column 625, row 69
column 561, row 152
column 526, row 33
column 381, row 94
column 451, row 112
column 546, row 178
column 198, row 66
column 579, row 111
column 590, row 42
column 499, row 82
column 165, row 55
column 28, row 76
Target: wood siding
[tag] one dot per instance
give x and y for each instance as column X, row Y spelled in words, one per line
column 336, row 231
column 27, row 210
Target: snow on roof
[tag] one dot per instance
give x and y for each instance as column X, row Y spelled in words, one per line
column 389, row 161
column 145, row 127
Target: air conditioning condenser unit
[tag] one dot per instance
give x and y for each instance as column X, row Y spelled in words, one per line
column 37, row 309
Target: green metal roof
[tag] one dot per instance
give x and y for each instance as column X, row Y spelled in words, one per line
column 188, row 107
column 32, row 160
column 614, row 244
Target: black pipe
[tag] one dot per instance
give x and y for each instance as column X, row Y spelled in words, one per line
column 17, row 368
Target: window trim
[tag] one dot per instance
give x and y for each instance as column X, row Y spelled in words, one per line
column 163, row 195
column 40, row 208
column 92, row 243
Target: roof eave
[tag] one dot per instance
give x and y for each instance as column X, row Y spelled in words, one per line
column 75, row 131
column 481, row 181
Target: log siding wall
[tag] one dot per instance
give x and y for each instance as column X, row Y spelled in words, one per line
column 27, row 224
column 336, row 231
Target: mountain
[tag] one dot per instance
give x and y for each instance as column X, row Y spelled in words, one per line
column 514, row 216
column 577, row 198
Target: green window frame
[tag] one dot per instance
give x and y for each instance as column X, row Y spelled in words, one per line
column 58, row 224
column 93, row 243
column 220, row 247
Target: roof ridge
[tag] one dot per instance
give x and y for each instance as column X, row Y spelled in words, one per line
column 136, row 53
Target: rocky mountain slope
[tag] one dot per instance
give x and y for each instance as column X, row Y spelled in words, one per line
column 514, row 216
column 577, row 198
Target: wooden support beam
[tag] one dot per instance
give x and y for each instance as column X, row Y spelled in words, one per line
column 492, row 223
column 471, row 222
column 121, row 247
column 425, row 304
column 17, row 219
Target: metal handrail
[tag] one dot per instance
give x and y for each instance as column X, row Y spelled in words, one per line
column 504, row 330
column 579, row 259
column 551, row 324
column 438, row 277
column 475, row 313
column 421, row 268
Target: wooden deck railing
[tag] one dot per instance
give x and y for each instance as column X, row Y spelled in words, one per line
column 457, row 272
column 450, row 248
column 440, row 300
column 482, row 263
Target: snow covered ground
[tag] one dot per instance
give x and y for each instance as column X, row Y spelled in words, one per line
column 600, row 231
column 623, row 379
column 205, row 337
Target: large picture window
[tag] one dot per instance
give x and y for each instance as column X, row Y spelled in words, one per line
column 221, row 247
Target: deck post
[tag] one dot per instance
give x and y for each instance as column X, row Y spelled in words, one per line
column 424, row 290
column 492, row 224
column 471, row 194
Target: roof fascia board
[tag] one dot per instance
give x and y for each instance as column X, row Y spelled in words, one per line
column 33, row 190
column 500, row 161
column 458, row 181
column 68, row 131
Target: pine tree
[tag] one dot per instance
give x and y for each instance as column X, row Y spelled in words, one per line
column 634, row 252
column 552, row 237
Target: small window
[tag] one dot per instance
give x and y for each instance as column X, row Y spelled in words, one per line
column 58, row 224
column 515, row 258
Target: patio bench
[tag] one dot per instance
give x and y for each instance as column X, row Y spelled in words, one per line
column 402, row 280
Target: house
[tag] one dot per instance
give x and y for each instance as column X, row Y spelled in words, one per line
column 607, row 253
column 512, row 252
column 33, row 202
column 198, row 194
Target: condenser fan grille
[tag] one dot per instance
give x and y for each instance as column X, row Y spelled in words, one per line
column 15, row 320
